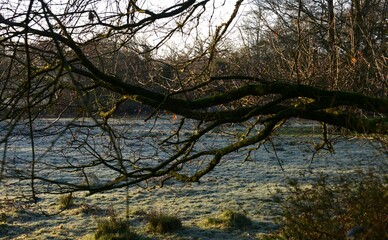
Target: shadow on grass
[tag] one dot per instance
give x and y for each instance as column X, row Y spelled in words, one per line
column 194, row 232
column 9, row 231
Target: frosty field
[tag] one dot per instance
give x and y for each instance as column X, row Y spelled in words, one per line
column 245, row 186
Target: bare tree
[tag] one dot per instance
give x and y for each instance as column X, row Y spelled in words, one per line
column 328, row 40
column 87, row 59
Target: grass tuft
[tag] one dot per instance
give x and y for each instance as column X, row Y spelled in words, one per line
column 229, row 219
column 160, row 222
column 114, row 228
column 65, row 201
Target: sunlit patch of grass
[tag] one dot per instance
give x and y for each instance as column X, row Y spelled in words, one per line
column 344, row 207
column 160, row 222
column 229, row 219
column 269, row 236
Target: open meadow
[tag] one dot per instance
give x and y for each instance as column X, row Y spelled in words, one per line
column 249, row 187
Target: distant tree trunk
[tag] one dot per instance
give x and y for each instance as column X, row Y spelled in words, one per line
column 333, row 56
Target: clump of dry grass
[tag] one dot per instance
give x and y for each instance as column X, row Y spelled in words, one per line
column 65, row 201
column 229, row 219
column 160, row 222
column 114, row 228
column 336, row 209
column 89, row 209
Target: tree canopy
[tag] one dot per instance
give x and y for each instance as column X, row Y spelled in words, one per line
column 282, row 60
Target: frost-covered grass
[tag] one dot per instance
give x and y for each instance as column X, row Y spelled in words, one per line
column 249, row 187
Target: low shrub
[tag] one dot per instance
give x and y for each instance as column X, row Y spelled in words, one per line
column 345, row 207
column 160, row 222
column 229, row 219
